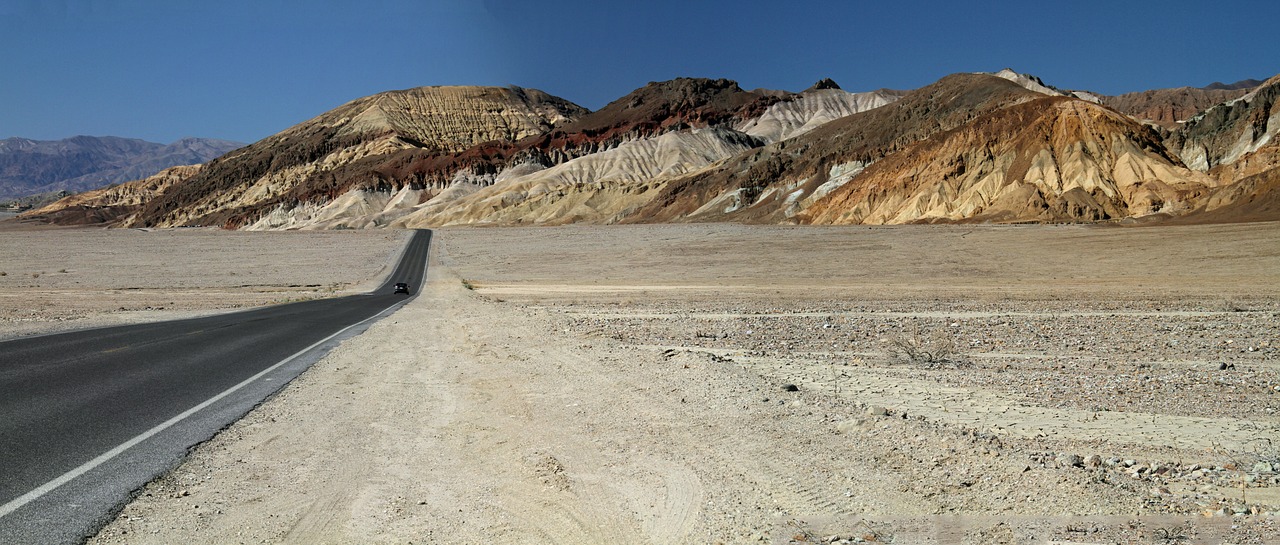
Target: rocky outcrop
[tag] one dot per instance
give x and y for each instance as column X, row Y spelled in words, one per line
column 1164, row 107
column 672, row 105
column 1242, row 84
column 1230, row 131
column 1028, row 82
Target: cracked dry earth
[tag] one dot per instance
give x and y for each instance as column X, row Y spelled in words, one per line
column 730, row 384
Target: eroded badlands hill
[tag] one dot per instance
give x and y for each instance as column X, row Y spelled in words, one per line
column 1050, row 159
column 303, row 163
column 1002, row 147
column 616, row 182
column 776, row 183
column 112, row 205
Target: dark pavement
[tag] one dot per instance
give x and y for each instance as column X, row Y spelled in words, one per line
column 87, row 417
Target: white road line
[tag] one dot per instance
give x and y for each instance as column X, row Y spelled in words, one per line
column 67, row 477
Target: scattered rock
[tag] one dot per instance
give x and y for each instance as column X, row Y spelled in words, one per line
column 1070, row 460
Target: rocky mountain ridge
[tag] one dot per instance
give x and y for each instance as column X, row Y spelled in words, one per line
column 997, row 147
column 30, row 167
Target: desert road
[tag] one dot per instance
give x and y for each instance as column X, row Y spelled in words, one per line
column 87, row 417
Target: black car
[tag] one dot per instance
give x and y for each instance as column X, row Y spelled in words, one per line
column 402, row 287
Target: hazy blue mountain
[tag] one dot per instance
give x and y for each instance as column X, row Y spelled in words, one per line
column 1242, row 84
column 30, row 167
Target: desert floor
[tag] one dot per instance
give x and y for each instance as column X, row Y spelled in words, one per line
column 57, row 279
column 725, row 383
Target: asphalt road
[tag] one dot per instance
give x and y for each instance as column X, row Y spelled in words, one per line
column 87, row 417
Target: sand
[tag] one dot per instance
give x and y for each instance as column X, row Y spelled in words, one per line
column 723, row 383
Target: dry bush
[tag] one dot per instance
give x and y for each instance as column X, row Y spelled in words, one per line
column 930, row 350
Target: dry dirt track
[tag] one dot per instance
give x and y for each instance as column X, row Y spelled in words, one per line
column 626, row 385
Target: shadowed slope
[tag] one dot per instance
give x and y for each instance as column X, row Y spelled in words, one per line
column 1232, row 130
column 1170, row 107
column 1256, row 198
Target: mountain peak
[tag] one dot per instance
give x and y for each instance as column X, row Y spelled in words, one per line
column 660, row 105
column 824, row 83
column 481, row 114
column 1028, row 81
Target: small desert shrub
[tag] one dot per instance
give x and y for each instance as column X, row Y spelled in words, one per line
column 35, row 275
column 2, row 273
column 1172, row 534
column 930, row 350
column 467, row 284
column 1267, row 451
column 1235, row 306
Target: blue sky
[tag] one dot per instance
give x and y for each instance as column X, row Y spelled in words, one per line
column 243, row 70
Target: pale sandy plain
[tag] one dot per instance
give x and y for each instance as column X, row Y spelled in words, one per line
column 725, row 383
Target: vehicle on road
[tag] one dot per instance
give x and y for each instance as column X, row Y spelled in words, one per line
column 402, row 287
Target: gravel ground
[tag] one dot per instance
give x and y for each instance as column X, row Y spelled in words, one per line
column 1131, row 387
column 1139, row 360
column 734, row 384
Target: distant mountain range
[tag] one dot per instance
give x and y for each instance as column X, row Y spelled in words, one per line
column 975, row 147
column 31, row 167
column 1242, row 84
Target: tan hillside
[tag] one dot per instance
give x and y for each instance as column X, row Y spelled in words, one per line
column 299, row 164
column 111, row 205
column 597, row 188
column 455, row 118
column 661, row 130
column 1052, row 159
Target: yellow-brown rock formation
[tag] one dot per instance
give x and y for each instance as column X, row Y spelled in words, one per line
column 1051, row 159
